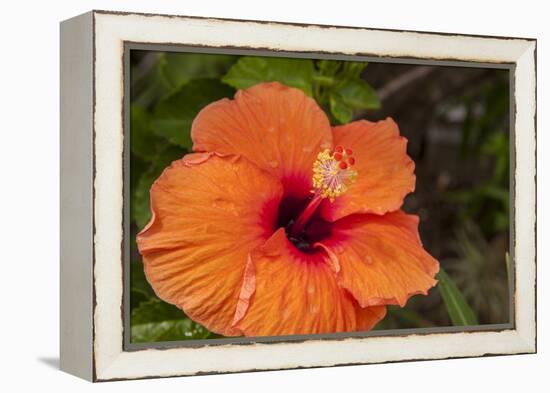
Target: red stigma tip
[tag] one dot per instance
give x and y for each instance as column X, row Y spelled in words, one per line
column 349, row 152
column 337, row 156
column 351, row 161
column 343, row 165
column 339, row 149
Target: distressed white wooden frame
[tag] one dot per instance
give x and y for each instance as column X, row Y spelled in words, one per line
column 92, row 167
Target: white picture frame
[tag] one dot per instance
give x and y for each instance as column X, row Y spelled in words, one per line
column 93, row 174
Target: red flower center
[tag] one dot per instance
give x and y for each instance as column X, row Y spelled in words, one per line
column 332, row 176
column 315, row 231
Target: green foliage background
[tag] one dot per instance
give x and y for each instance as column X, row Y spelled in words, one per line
column 169, row 89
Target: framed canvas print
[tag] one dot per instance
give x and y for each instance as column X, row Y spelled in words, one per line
column 244, row 195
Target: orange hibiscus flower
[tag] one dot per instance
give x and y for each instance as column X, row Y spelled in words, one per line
column 279, row 224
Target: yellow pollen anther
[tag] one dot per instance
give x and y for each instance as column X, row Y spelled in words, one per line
column 332, row 173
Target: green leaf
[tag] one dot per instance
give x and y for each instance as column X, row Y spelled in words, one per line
column 339, row 109
column 160, row 331
column 138, row 281
column 170, row 71
column 459, row 311
column 155, row 320
column 409, row 318
column 139, row 205
column 353, row 69
column 340, row 90
column 174, row 115
column 143, row 143
column 140, row 211
column 329, row 67
column 181, row 68
column 146, row 145
column 137, row 297
column 155, row 310
column 150, row 155
column 148, row 88
column 249, row 71
column 357, row 94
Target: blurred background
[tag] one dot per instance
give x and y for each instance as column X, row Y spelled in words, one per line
column 456, row 120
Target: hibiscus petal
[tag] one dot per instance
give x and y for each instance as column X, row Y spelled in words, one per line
column 276, row 127
column 297, row 293
column 209, row 212
column 385, row 171
column 381, row 258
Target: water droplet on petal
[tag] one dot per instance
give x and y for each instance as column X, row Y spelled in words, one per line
column 307, row 149
column 313, row 309
column 225, row 205
column 274, row 164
